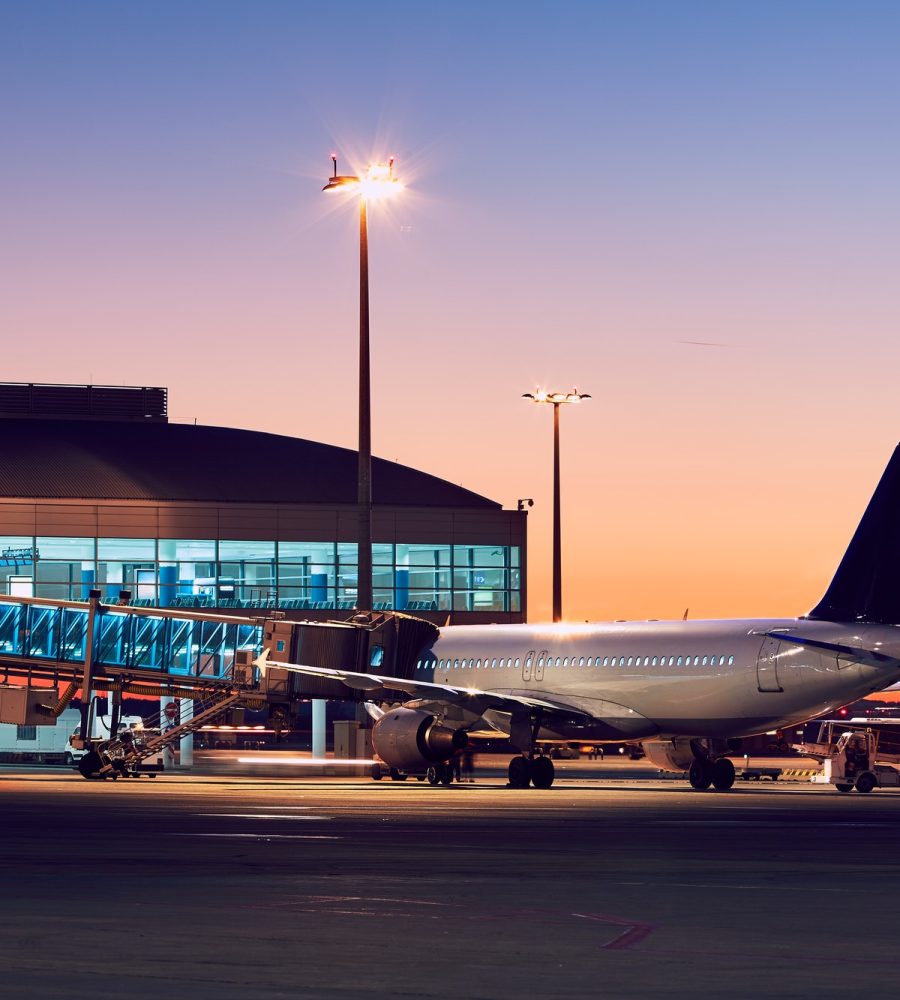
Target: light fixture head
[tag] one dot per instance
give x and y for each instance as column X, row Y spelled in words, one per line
column 542, row 396
column 376, row 184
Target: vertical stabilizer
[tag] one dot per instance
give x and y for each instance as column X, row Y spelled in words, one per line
column 866, row 586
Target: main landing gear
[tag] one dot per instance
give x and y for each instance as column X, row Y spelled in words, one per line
column 525, row 771
column 528, row 769
column 706, row 770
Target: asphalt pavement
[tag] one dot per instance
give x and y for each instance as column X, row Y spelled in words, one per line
column 232, row 887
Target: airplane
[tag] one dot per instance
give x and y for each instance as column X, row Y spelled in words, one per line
column 688, row 690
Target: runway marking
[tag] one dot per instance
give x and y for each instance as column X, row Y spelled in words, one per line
column 725, row 885
column 283, row 807
column 263, row 836
column 633, row 934
column 261, row 816
column 770, row 823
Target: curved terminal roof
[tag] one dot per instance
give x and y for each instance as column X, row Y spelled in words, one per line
column 118, row 460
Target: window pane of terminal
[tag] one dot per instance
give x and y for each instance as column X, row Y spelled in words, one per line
column 122, row 549
column 246, row 550
column 66, row 547
column 188, row 549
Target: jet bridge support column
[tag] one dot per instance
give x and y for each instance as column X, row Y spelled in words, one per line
column 87, row 701
column 318, row 728
column 186, row 746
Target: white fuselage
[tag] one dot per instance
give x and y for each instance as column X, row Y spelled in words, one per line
column 642, row 680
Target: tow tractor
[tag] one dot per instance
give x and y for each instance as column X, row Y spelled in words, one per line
column 851, row 759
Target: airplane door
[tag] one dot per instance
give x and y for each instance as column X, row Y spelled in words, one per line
column 767, row 666
column 527, row 665
column 539, row 666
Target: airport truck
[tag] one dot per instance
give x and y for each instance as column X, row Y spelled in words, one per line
column 39, row 744
column 852, row 759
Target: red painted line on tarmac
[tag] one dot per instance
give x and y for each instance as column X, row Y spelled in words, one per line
column 633, row 934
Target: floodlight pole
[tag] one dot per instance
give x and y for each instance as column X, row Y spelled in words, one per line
column 364, row 472
column 380, row 177
column 556, row 399
column 557, row 523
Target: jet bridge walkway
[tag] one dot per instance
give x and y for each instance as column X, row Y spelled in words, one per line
column 186, row 654
column 48, row 639
column 194, row 656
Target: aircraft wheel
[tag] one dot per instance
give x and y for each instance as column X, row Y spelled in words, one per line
column 397, row 775
column 700, row 775
column 542, row 772
column 377, row 773
column 865, row 782
column 446, row 774
column 722, row 774
column 89, row 764
column 432, row 776
column 519, row 773
column 844, row 788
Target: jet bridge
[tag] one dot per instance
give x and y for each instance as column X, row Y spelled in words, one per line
column 205, row 658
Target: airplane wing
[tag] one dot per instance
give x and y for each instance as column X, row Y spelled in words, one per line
column 471, row 698
column 856, row 653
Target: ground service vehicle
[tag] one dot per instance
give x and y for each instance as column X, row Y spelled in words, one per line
column 851, row 760
column 131, row 732
column 39, row 744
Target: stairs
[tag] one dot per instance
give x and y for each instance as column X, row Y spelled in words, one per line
column 128, row 750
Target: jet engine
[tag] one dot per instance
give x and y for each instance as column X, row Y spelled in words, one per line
column 411, row 740
column 673, row 755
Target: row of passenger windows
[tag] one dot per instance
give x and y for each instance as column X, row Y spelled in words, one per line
column 502, row 663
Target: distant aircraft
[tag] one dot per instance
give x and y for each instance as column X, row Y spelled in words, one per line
column 688, row 690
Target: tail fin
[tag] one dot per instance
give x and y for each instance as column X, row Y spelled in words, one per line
column 866, row 586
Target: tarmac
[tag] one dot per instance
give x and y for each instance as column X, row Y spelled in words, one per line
column 617, row 883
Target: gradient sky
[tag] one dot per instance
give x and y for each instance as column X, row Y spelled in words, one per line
column 597, row 191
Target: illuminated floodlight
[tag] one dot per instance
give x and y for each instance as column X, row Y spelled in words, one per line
column 542, row 396
column 377, row 183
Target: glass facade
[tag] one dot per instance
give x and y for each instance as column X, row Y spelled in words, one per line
column 178, row 572
column 125, row 639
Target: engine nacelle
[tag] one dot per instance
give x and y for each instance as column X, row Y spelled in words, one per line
column 673, row 755
column 411, row 740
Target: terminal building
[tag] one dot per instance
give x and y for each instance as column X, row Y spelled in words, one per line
column 98, row 491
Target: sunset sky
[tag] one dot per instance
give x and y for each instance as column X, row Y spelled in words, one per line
column 688, row 210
